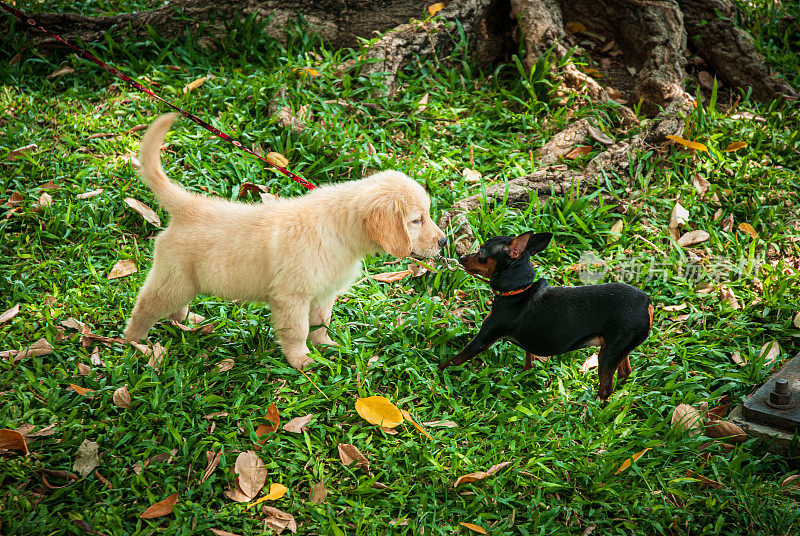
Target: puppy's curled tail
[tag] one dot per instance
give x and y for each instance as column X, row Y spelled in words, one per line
column 170, row 195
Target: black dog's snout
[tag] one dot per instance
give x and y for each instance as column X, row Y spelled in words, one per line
column 462, row 258
column 442, row 241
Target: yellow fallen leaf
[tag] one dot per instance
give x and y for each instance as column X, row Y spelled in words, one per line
column 576, row 27
column 277, row 159
column 407, row 416
column 194, row 84
column 735, row 146
column 433, row 9
column 688, row 143
column 81, row 390
column 627, row 463
column 747, row 228
column 276, row 491
column 592, row 72
column 473, row 527
column 306, row 70
column 378, row 410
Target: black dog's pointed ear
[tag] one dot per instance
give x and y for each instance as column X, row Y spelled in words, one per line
column 531, row 242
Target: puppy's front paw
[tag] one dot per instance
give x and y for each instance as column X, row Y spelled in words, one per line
column 322, row 339
column 299, row 361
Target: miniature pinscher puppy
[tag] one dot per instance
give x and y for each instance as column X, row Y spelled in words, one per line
column 548, row 321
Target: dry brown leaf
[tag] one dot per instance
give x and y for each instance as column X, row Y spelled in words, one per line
column 91, row 193
column 616, row 230
column 298, row 424
column 796, row 320
column 38, row 348
column 219, row 532
column 48, row 430
column 279, row 520
column 693, row 237
column 599, row 135
column 590, row 363
column 706, row 79
column 727, row 223
column 163, row 456
column 122, row 398
column 723, row 429
column 675, row 308
column 252, row 473
column 391, row 277
column 737, row 358
column 13, row 440
column 225, row 364
column 349, row 454
column 45, row 200
column 318, row 493
column 61, row 71
column 581, row 150
column 213, row 463
column 161, row 508
column 16, row 198
column 440, row 424
column 700, row 184
column 277, row 159
column 792, row 481
column 747, row 228
column 156, row 353
column 84, row 369
column 423, row 102
column 471, row 176
column 122, row 268
column 86, row 459
column 770, row 352
column 703, row 480
column 687, row 417
column 678, row 217
column 137, row 468
column 9, row 314
column 727, row 295
column 480, row 475
column 144, row 211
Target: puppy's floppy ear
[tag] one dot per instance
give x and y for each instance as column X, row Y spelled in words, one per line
column 386, row 225
column 530, row 241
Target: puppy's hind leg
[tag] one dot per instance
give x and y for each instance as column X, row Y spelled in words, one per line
column 163, row 294
column 290, row 318
column 320, row 315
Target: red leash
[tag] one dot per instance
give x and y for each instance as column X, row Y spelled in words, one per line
column 30, row 22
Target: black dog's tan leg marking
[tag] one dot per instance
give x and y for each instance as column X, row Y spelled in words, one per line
column 624, row 370
column 528, row 361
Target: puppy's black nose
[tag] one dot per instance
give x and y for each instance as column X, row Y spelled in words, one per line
column 462, row 258
column 442, row 242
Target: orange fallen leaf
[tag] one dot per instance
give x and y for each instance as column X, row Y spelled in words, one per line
column 747, row 228
column 688, row 143
column 13, row 440
column 391, row 277
column 194, row 84
column 81, row 390
column 306, row 70
column 576, row 27
column 160, row 508
column 627, row 463
column 433, row 9
column 735, row 146
column 276, row 491
column 473, row 527
column 407, row 416
column 581, row 150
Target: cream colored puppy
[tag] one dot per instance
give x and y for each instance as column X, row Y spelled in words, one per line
column 296, row 254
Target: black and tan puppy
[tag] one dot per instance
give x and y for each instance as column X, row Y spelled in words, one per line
column 546, row 320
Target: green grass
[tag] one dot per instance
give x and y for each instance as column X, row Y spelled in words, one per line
column 563, row 444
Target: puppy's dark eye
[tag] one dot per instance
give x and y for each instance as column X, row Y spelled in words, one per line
column 481, row 260
column 418, row 221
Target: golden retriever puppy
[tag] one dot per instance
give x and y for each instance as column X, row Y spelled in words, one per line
column 296, row 254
